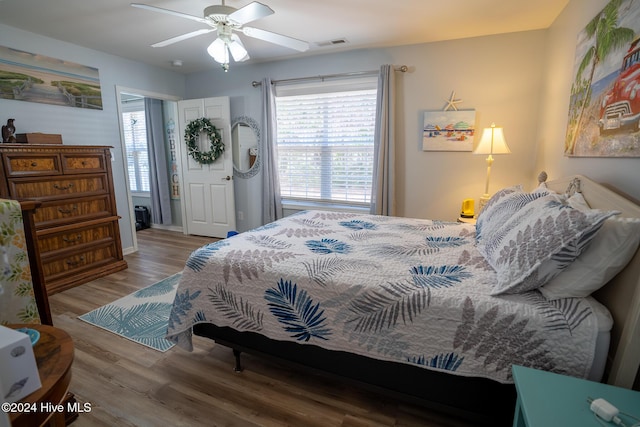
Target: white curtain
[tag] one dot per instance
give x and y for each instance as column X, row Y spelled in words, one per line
column 383, row 200
column 271, row 201
column 158, row 171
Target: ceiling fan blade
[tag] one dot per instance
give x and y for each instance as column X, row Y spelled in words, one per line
column 186, row 36
column 276, row 38
column 169, row 12
column 250, row 12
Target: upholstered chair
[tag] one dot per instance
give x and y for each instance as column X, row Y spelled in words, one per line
column 23, row 297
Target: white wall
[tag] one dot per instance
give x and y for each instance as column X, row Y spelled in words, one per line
column 620, row 173
column 498, row 76
column 83, row 127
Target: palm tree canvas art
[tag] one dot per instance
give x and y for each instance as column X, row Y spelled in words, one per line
column 604, row 109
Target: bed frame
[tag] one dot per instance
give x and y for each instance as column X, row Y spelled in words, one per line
column 622, row 294
column 482, row 400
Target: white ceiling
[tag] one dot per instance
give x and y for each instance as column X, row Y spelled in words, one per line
column 113, row 26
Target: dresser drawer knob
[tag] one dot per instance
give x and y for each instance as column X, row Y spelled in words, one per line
column 34, row 164
column 63, row 187
column 73, row 263
column 68, row 211
column 72, row 239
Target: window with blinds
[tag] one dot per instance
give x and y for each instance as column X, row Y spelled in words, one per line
column 135, row 138
column 325, row 140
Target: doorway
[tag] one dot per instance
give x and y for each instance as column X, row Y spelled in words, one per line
column 131, row 100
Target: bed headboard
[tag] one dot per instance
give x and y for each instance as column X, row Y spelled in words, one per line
column 622, row 294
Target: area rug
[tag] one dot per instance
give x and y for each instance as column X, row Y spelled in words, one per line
column 141, row 316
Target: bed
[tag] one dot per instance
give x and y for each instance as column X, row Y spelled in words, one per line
column 432, row 312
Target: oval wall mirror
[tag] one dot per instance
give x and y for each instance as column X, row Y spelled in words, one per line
column 245, row 141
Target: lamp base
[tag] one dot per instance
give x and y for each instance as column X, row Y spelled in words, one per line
column 483, row 201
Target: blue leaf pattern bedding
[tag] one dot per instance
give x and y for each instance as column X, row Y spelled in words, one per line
column 398, row 289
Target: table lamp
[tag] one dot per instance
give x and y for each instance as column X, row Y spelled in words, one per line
column 492, row 142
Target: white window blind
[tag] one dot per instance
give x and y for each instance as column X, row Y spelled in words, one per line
column 135, row 137
column 325, row 140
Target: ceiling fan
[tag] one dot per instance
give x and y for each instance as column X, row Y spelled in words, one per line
column 225, row 20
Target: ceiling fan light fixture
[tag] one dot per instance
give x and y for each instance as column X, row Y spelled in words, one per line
column 218, row 51
column 225, row 43
column 237, row 49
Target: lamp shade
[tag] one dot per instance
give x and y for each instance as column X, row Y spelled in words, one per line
column 492, row 142
column 218, row 50
column 237, row 49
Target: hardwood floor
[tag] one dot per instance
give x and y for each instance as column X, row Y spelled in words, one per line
column 128, row 384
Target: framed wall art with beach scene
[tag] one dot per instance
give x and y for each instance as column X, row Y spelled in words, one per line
column 32, row 77
column 448, row 130
column 604, row 107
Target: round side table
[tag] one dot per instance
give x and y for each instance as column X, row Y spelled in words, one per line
column 54, row 355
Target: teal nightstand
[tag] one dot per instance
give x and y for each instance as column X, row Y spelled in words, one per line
column 547, row 400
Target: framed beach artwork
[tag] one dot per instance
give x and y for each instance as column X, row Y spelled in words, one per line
column 31, row 77
column 448, row 130
column 604, row 108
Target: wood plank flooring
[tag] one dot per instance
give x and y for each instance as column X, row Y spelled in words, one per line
column 128, row 384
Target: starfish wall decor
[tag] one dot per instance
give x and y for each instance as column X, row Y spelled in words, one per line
column 452, row 101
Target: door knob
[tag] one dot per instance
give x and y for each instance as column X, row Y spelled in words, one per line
column 228, row 178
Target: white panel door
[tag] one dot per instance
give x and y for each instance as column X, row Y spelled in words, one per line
column 209, row 204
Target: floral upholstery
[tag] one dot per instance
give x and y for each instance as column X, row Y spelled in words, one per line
column 17, row 301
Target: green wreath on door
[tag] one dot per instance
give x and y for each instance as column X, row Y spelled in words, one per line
column 192, row 133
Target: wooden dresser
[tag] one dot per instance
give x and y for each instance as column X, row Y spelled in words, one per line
column 77, row 223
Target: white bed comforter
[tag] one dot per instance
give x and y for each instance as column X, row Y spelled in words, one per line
column 404, row 290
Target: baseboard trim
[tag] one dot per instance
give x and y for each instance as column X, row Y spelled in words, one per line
column 167, row 227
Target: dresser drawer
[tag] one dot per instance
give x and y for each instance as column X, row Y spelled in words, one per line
column 78, row 261
column 36, row 164
column 58, row 187
column 83, row 163
column 67, row 211
column 72, row 236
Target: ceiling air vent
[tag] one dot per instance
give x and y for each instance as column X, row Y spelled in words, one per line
column 333, row 42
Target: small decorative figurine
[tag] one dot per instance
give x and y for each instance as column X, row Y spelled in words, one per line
column 8, row 131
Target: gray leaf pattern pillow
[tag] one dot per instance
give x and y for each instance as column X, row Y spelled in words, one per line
column 538, row 242
column 502, row 206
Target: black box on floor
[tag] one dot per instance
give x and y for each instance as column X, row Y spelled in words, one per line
column 143, row 219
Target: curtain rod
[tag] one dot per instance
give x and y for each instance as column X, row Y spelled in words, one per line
column 402, row 68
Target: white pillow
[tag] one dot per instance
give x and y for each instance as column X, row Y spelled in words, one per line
column 538, row 242
column 608, row 253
